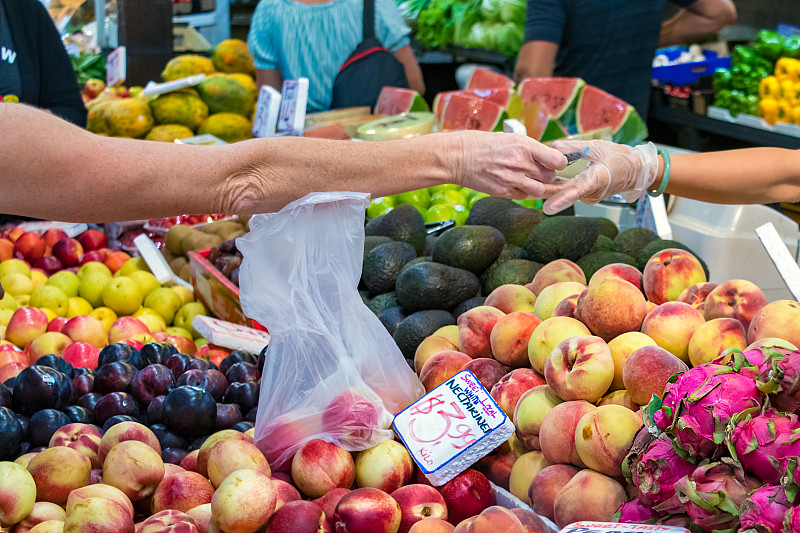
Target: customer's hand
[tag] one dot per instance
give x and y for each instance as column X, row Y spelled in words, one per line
column 613, row 169
column 502, row 164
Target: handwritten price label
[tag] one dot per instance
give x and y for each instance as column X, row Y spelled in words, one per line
column 449, row 420
column 229, row 335
column 612, row 527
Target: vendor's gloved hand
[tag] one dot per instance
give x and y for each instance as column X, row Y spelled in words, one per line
column 613, row 169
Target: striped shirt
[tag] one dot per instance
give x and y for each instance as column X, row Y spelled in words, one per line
column 314, row 40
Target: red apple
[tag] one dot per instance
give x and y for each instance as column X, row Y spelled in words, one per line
column 47, row 343
column 49, row 264
column 94, row 255
column 93, row 240
column 93, row 88
column 466, row 495
column 57, row 324
column 53, row 235
column 26, row 324
column 81, row 354
column 30, row 247
column 85, row 328
column 69, row 251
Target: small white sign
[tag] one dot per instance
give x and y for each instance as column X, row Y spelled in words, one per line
column 265, row 122
column 230, row 335
column 651, row 213
column 294, row 100
column 116, row 67
column 512, row 125
column 780, row 255
column 156, row 89
column 613, row 527
column 452, row 426
column 156, row 262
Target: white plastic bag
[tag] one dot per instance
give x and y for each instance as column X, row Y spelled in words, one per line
column 332, row 370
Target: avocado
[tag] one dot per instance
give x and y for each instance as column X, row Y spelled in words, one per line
column 435, row 286
column 430, row 242
column 383, row 301
column 423, row 259
column 487, row 208
column 391, row 317
column 656, row 246
column 607, row 227
column 373, row 241
column 603, row 244
column 466, row 305
column 403, row 223
column 562, row 237
column 414, row 329
column 372, row 225
column 593, row 262
column 472, row 248
column 516, row 225
column 632, row 241
column 383, row 264
column 512, row 272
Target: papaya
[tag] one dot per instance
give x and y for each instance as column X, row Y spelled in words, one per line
column 186, row 65
column 128, row 117
column 230, row 127
column 179, row 108
column 169, row 132
column 233, row 55
column 224, row 94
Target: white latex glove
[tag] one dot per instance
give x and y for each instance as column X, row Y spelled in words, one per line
column 613, row 169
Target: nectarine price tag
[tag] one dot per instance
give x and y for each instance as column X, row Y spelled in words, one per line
column 452, row 426
column 116, row 67
column 780, row 255
column 265, row 122
column 613, row 527
column 230, row 335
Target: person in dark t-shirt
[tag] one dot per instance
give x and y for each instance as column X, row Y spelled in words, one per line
column 611, row 43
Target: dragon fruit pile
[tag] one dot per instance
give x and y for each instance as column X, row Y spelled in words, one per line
column 720, row 451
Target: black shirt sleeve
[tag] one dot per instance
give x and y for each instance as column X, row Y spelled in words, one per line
column 682, row 3
column 544, row 20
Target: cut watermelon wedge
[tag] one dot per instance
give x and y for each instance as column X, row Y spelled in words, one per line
column 504, row 97
column 471, row 113
column 597, row 109
column 483, row 78
column 397, row 101
column 559, row 96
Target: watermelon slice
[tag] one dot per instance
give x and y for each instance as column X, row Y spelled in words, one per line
column 397, row 101
column 504, row 97
column 559, row 96
column 470, row 113
column 597, row 109
column 483, row 78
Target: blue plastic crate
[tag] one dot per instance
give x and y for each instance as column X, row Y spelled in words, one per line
column 687, row 73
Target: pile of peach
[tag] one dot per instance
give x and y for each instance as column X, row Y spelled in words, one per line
column 571, row 363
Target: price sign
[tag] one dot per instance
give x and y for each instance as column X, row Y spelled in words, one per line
column 156, row 89
column 230, row 335
column 651, row 213
column 452, row 426
column 294, row 99
column 612, row 527
column 116, row 67
column 265, row 122
column 780, row 255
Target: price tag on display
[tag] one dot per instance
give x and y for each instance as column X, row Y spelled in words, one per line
column 612, row 527
column 780, row 255
column 116, row 67
column 230, row 335
column 265, row 123
column 512, row 125
column 294, row 99
column 651, row 213
column 451, row 427
column 156, row 262
column 156, row 89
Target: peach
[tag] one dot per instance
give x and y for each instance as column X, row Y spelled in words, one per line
column 126, row 327
column 386, row 466
column 245, row 501
column 611, row 308
column 355, row 416
column 49, row 526
column 418, row 502
column 430, row 347
column 647, row 371
column 432, row 525
column 467, row 494
column 300, row 516
column 441, row 367
column 776, row 319
column 47, row 343
column 100, row 490
column 714, row 337
column 556, row 271
column 553, row 295
column 85, row 328
column 696, row 295
column 619, row 271
column 24, row 460
column 511, row 298
column 190, row 461
column 531, row 409
column 134, row 468
column 580, row 368
column 320, row 466
column 671, row 325
column 57, row 472
column 41, row 512
column 448, row 332
column 210, row 442
column 737, row 298
column 557, row 432
column 98, row 515
column 182, row 491
column 550, row 334
column 201, row 516
column 510, row 336
column 531, row 522
column 516, row 446
column 588, row 496
column 498, row 464
column 83, row 438
column 286, row 492
column 329, row 501
column 669, row 272
column 510, row 389
column 17, row 493
column 604, row 436
column 488, row 371
column 230, row 455
column 545, row 487
column 127, row 431
column 525, row 469
column 619, row 397
column 169, row 520
column 567, row 306
column 491, row 520
column 771, row 342
column 621, row 349
column 367, row 510
column 475, row 328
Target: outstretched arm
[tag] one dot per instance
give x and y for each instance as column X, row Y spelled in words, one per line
column 56, row 171
column 702, row 18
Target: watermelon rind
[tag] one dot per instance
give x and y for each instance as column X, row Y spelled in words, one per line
column 464, row 114
column 554, row 130
column 597, row 108
column 397, row 127
column 633, row 130
column 560, row 96
column 484, row 78
column 398, row 100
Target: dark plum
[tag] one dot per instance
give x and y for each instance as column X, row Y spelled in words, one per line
column 177, row 363
column 200, row 364
column 243, row 426
column 151, row 381
column 244, row 394
column 262, row 357
column 166, row 438
column 155, row 410
column 157, row 352
column 54, row 361
column 43, row 424
column 40, row 387
column 190, row 411
column 196, row 443
column 120, row 353
column 115, row 403
column 78, row 414
column 83, row 384
column 242, row 373
column 24, row 421
column 117, row 419
column 79, row 371
column 173, row 455
column 251, row 415
column 193, row 378
column 114, row 377
column 236, row 356
column 11, row 435
column 216, row 383
column 89, row 401
column 5, row 396
column 228, row 414
column 10, row 382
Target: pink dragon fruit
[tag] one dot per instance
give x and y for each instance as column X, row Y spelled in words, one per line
column 677, row 520
column 698, row 404
column 712, row 494
column 764, row 444
column 776, row 372
column 641, row 442
column 635, row 512
column 791, row 523
column 658, row 470
column 764, row 511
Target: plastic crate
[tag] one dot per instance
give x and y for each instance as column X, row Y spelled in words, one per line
column 687, row 73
